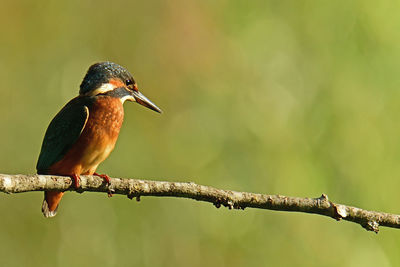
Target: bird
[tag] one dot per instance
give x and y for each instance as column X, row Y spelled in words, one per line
column 85, row 130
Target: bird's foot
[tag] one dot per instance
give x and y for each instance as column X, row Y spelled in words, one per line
column 106, row 179
column 76, row 180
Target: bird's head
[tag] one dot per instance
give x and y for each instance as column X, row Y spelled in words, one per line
column 110, row 79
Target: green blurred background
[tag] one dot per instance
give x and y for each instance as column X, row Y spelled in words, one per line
column 282, row 97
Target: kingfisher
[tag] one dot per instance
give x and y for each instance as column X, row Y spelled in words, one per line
column 85, row 130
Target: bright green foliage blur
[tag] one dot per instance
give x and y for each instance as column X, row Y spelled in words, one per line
column 295, row 98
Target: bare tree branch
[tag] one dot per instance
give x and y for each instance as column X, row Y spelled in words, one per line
column 133, row 188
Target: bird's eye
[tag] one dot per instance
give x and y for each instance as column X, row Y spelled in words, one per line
column 129, row 82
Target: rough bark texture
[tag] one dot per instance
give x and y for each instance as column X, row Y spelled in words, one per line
column 133, row 188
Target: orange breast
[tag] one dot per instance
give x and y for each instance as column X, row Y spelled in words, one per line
column 96, row 141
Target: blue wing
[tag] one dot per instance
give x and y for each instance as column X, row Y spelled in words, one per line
column 63, row 131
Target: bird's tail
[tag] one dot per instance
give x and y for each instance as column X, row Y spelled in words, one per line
column 50, row 203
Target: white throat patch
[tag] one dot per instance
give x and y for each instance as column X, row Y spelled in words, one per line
column 127, row 97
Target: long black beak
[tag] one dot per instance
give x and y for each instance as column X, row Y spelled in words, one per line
column 142, row 100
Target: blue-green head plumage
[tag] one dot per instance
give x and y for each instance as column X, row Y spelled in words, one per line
column 101, row 73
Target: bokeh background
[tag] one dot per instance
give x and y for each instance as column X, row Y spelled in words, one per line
column 295, row 98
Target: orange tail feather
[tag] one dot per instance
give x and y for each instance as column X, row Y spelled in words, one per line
column 50, row 203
